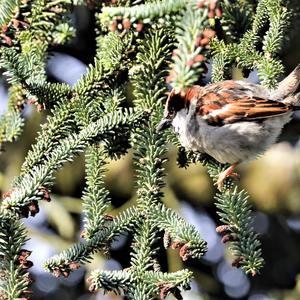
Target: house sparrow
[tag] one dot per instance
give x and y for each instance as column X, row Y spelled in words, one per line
column 232, row 121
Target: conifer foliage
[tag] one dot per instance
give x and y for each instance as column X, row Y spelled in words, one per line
column 148, row 44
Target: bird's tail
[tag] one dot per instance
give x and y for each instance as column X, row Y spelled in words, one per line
column 287, row 88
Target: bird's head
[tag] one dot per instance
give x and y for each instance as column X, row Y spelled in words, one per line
column 176, row 102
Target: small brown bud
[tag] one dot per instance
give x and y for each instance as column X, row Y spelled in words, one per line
column 204, row 42
column 66, row 274
column 40, row 107
column 218, row 12
column 183, row 252
column 33, row 208
column 211, row 14
column 198, row 40
column 126, row 24
column 56, row 272
column 200, row 4
column 46, row 193
column 199, row 58
column 74, row 265
column 26, row 294
column 7, row 40
column 189, row 63
column 212, row 4
column 113, row 26
column 237, row 262
column 165, row 288
column 6, row 195
column 92, row 288
column 25, row 264
column 31, row 101
column 228, row 238
column 15, row 23
column 108, row 217
column 208, row 33
column 4, row 28
column 176, row 244
column 223, row 228
column 139, row 27
column 24, row 253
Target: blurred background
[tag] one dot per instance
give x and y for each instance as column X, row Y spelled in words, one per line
column 273, row 182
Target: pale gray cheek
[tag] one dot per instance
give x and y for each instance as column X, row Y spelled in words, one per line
column 175, row 129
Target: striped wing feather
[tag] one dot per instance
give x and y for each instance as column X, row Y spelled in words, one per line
column 233, row 103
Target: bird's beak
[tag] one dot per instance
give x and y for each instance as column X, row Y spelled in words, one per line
column 163, row 124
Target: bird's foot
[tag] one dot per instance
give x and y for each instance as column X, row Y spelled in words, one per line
column 225, row 174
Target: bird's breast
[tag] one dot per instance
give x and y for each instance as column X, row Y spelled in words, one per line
column 187, row 126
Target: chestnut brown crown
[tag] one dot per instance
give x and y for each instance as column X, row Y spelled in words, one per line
column 176, row 102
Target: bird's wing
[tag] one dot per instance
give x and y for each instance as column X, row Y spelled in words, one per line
column 229, row 101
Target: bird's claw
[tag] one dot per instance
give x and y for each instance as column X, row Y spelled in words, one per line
column 223, row 176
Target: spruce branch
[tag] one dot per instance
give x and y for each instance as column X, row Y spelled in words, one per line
column 28, row 190
column 14, row 279
column 220, row 68
column 236, row 19
column 279, row 21
column 100, row 80
column 23, row 58
column 266, row 61
column 7, row 10
column 95, row 196
column 58, row 126
column 178, row 233
column 111, row 281
column 63, row 263
column 46, row 17
column 235, row 212
column 11, row 125
column 91, row 117
column 48, row 95
column 15, row 71
column 139, row 278
column 149, row 158
column 126, row 282
column 142, row 248
column 12, row 122
column 188, row 57
column 78, row 102
column 143, row 12
column 149, row 90
column 234, row 209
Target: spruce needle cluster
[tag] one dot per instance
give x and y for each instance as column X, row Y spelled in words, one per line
column 147, row 45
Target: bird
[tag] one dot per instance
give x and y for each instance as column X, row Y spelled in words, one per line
column 233, row 121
